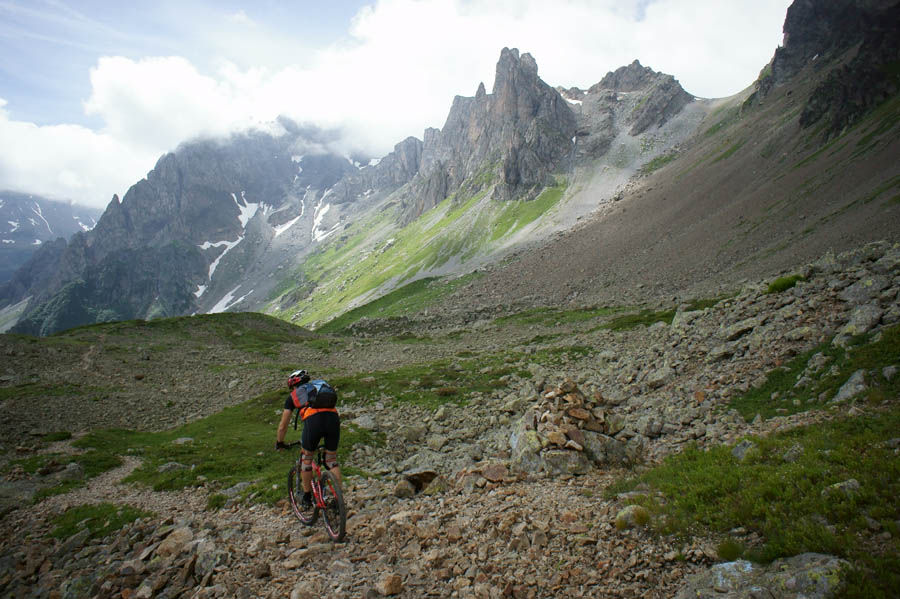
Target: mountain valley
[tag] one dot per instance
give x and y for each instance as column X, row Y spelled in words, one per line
column 614, row 342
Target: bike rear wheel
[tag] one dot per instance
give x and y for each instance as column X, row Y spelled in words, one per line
column 334, row 512
column 295, row 494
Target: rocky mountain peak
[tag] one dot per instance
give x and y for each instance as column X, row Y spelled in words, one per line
column 850, row 45
column 629, row 78
column 521, row 133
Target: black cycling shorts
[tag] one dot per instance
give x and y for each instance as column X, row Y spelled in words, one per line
column 319, row 425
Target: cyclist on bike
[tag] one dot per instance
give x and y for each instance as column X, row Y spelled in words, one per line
column 318, row 423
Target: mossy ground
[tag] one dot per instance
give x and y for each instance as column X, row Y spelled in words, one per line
column 100, row 519
column 784, row 489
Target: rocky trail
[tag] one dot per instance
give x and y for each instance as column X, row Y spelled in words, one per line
column 507, row 500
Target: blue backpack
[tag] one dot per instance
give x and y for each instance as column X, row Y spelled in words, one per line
column 321, row 394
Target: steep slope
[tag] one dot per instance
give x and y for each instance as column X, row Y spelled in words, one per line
column 204, row 230
column 760, row 188
column 467, row 207
column 27, row 221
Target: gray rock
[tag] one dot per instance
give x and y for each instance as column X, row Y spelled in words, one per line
column 855, row 385
column 848, row 487
column 732, row 332
column 889, row 372
column 171, row 467
column 604, row 450
column 806, row 576
column 660, row 377
column 865, row 290
column 742, row 449
column 563, row 461
column 365, row 422
column 862, row 320
column 236, row 489
column 720, row 352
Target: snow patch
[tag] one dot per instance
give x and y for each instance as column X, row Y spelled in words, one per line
column 228, row 245
column 226, row 302
column 286, row 226
column 14, row 224
column 8, row 241
column 201, row 289
column 318, row 233
column 37, row 210
column 374, row 162
column 83, row 226
column 37, row 242
column 247, row 210
column 576, row 102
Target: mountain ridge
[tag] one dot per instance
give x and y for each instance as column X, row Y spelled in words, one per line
column 529, row 162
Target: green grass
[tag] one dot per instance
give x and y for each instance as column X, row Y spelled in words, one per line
column 380, row 253
column 517, row 215
column 232, row 446
column 658, row 162
column 780, row 394
column 727, row 153
column 101, row 519
column 422, row 384
column 783, row 283
column 93, row 463
column 407, row 299
column 789, row 503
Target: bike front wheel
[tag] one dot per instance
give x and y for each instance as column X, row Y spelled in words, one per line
column 295, row 494
column 334, row 512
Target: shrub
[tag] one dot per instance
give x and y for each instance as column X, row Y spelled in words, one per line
column 783, row 283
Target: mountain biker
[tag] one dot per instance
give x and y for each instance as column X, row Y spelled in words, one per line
column 317, row 423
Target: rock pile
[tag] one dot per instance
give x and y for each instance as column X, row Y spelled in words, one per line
column 567, row 432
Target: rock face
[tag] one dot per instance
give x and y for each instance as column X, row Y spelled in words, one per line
column 855, row 42
column 517, row 135
column 631, row 99
column 27, row 222
column 158, row 250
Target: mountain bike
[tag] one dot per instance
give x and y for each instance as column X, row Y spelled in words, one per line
column 326, row 496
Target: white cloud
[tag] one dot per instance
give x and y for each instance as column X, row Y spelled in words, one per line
column 68, row 161
column 393, row 75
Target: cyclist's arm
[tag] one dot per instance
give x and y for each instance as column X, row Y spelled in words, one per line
column 283, row 425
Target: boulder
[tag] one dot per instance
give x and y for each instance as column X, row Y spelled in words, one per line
column 807, row 576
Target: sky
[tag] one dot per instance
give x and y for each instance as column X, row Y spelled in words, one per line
column 93, row 92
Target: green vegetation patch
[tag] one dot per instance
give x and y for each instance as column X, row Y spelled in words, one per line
column 727, row 153
column 517, row 215
column 793, row 490
column 427, row 384
column 658, row 162
column 812, row 379
column 407, row 299
column 101, row 519
column 244, row 331
column 783, row 283
column 230, row 447
column 93, row 463
column 380, row 254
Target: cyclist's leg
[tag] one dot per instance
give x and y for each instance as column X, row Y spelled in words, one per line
column 309, row 440
column 332, row 435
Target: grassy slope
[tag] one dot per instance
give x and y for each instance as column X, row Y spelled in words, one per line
column 784, row 490
column 376, row 255
column 788, row 503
